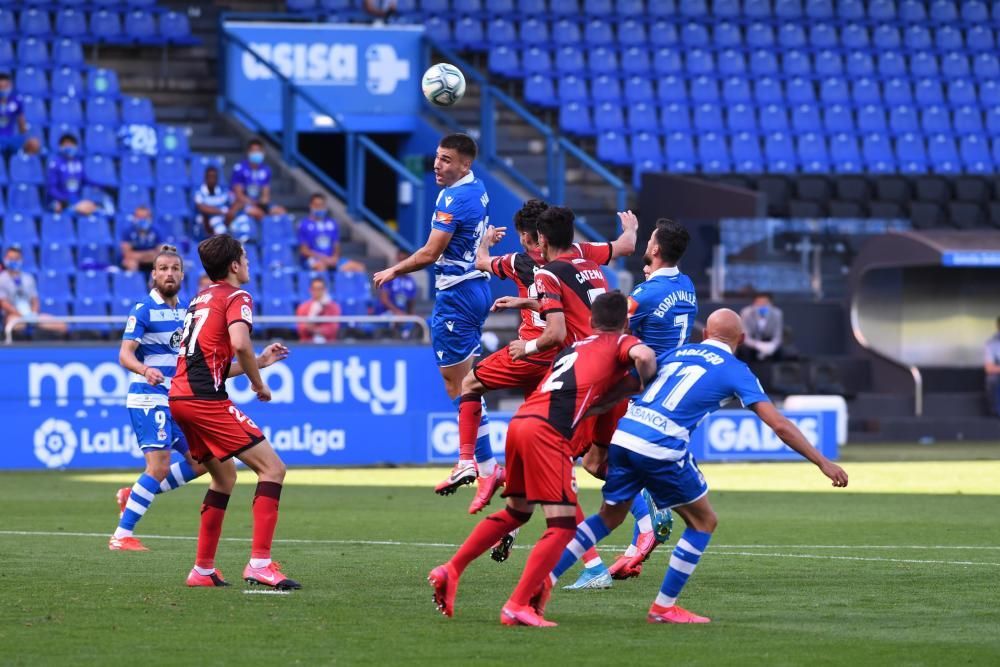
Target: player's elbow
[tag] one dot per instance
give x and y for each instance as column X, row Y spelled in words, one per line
column 784, row 429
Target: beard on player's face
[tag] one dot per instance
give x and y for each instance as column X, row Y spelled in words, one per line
column 647, row 259
column 167, row 289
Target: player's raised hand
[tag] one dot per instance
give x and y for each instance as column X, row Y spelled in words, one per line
column 382, row 277
column 263, row 393
column 153, row 376
column 494, row 235
column 630, row 223
column 272, row 354
column 834, row 472
column 516, row 349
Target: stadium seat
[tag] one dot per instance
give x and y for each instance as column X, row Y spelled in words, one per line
column 646, row 147
column 106, row 25
column 675, row 117
column 171, row 170
column 569, row 60
column 633, row 8
column 535, row 32
column 31, row 51
column 173, row 140
column 140, row 26
column 928, row 92
column 774, row 118
column 812, row 153
column 100, row 170
column 131, row 196
column 792, row 36
column 911, row 154
column 572, row 89
column 642, row 117
column 704, row 89
column 603, row 61
column 469, row 34
column 979, row 38
column 763, row 62
column 57, row 256
column 903, row 120
column 136, row 170
column 19, row 229
column 278, row 284
column 727, row 35
column 779, row 151
column 877, row 154
column 101, row 110
column 537, row 61
column 71, row 23
column 948, row 38
column 819, row 9
column 564, row 33
column 54, row 284
column 680, row 153
column 278, row 255
column 955, row 66
column 438, row 29
column 796, row 63
column 26, row 168
column 8, row 24
column 871, row 118
column 806, row 119
column 539, row 90
column 34, row 22
column 504, row 61
column 502, row 32
column 695, row 35
column 125, row 285
column 67, row 81
column 100, row 139
column 607, row 89
column 609, row 116
column 924, row 65
column 845, row 153
column 67, row 111
column 760, row 35
column 90, row 306
column 575, row 118
column 823, row 36
column 961, row 92
column 172, row 200
column 943, row 154
column 769, row 91
column 35, row 111
column 975, row 154
column 886, row 38
column 829, row 64
column 137, row 111
column 175, row 27
column 613, row 147
column 890, row 64
column 736, row 90
column 103, row 82
column 741, row 118
column 989, row 94
column 563, row 7
column 31, row 81
column 699, row 62
column 854, row 36
column 713, row 153
column 968, row 120
column 838, row 118
column 746, row 153
column 800, row 90
column 730, row 63
column 986, row 66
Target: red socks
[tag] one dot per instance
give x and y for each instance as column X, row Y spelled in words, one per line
column 213, row 511
column 544, row 557
column 486, row 533
column 470, row 414
column 265, row 517
column 591, row 553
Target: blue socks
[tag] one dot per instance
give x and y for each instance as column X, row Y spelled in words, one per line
column 683, row 561
column 588, row 533
column 180, row 474
column 144, row 491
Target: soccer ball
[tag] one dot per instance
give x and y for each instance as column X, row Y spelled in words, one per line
column 443, row 84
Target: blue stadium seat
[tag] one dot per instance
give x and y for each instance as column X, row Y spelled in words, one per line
column 606, row 89
column 638, row 34
column 768, row 90
column 173, row 140
column 989, row 94
column 639, row 89
column 438, row 29
column 24, row 198
column 788, row 9
column 175, row 27
column 968, row 120
column 890, row 64
column 730, row 63
column 741, row 118
column 26, row 168
column 102, row 110
column 792, row 36
column 828, row 63
column 602, row 60
column 502, row 32
column 140, row 26
column 147, row 4
column 4, row 178
column 708, row 118
column 819, row 9
column 572, row 89
column 646, row 147
column 277, row 229
column 353, row 292
column 746, row 153
column 845, row 154
column 567, row 33
column 955, row 66
column 897, row 91
column 613, row 147
column 640, row 168
column 106, row 25
column 642, row 117
column 137, row 170
column 671, row 89
column 635, row 61
column 695, row 35
column 975, row 153
column 31, row 81
column 806, row 119
column 469, row 34
column 32, row 51
column 693, row 8
column 57, row 256
column 727, row 35
column 943, row 11
column 103, row 81
column 278, row 284
column 823, row 36
column 53, row 284
column 800, row 91
column 838, row 118
column 713, row 154
column 871, row 119
column 100, row 170
column 199, row 163
column 7, row 59
column 704, row 89
column 763, row 62
column 171, row 170
column 881, row 10
column 943, row 154
column 71, row 22
column 986, row 66
column 67, row 81
column 924, row 65
column 877, row 154
column 662, row 9
column 699, row 62
column 911, row 154
column 633, row 8
column 131, row 196
column 760, row 35
column 903, row 120
column 564, row 7
column 531, row 7
column 539, row 90
column 67, row 111
column 812, row 153
column 961, row 92
column 277, row 256
column 929, row 93
column 125, row 285
column 20, row 229
column 537, row 61
column 974, row 11
column 948, row 38
column 569, row 60
column 729, row 9
column 575, row 118
column 886, row 38
column 854, row 36
column 172, row 200
column 535, row 32
column 608, row 116
column 8, row 26
column 934, row 120
column 500, row 7
column 100, row 139
column 736, row 90
column 680, row 153
column 796, row 63
column 92, row 307
column 774, row 118
column 834, row 90
column 912, row 11
column 138, row 111
column 504, row 60
column 34, row 22
column 779, row 151
column 676, row 117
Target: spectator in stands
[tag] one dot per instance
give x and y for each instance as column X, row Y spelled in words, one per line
column 19, row 294
column 251, row 183
column 764, row 324
column 216, row 206
column 319, row 237
column 318, row 304
column 992, row 367
column 66, row 178
column 13, row 125
column 203, row 282
column 140, row 240
column 380, row 9
column 398, row 297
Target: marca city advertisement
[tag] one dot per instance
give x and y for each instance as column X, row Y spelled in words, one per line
column 367, row 76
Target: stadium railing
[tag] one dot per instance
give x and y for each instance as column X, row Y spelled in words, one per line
column 358, row 144
column 425, row 334
column 914, row 371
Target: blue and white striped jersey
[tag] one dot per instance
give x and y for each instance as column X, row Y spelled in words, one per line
column 662, row 310
column 461, row 210
column 693, row 381
column 157, row 327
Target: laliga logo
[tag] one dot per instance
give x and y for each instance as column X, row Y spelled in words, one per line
column 55, row 443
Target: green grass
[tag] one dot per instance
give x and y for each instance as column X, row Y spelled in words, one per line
column 776, row 590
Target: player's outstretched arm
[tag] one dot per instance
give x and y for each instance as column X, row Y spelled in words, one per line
column 421, row 259
column 272, row 354
column 624, row 245
column 491, row 237
column 792, row 436
column 515, row 303
column 553, row 335
column 239, row 337
column 128, row 361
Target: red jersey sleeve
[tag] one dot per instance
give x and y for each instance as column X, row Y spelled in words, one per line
column 240, row 309
column 503, row 267
column 598, row 253
column 625, row 345
column 549, row 294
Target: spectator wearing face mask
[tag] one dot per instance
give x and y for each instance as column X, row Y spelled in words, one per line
column 19, row 294
column 319, row 304
column 215, row 206
column 319, row 237
column 13, row 125
column 139, row 240
column 764, row 324
column 65, row 179
column 251, row 183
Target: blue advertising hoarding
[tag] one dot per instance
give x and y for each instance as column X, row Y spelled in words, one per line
column 738, row 435
column 367, row 76
column 64, row 407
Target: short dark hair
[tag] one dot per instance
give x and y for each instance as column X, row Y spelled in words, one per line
column 610, row 311
column 217, row 253
column 4, row 76
column 463, row 143
column 317, row 195
column 167, row 250
column 14, row 248
column 255, row 142
column 526, row 219
column 211, row 168
column 68, row 137
column 556, row 224
column 317, row 279
column 763, row 295
column 672, row 238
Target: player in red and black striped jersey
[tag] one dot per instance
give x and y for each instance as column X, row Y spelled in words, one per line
column 540, row 457
column 217, row 326
column 499, row 370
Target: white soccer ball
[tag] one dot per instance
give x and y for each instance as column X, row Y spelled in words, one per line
column 443, row 84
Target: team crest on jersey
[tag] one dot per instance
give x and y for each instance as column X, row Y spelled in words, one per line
column 175, row 339
column 130, row 325
column 161, row 435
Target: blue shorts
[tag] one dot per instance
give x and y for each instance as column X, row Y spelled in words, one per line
column 670, row 483
column 12, row 142
column 457, row 320
column 155, row 429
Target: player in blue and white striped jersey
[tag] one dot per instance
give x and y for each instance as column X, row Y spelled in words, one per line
column 649, row 450
column 149, row 349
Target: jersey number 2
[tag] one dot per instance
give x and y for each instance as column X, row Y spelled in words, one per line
column 560, row 367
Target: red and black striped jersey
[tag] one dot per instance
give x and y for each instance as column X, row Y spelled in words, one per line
column 521, row 267
column 569, row 285
column 580, row 375
column 206, row 352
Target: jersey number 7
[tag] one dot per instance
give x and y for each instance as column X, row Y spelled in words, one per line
column 189, row 337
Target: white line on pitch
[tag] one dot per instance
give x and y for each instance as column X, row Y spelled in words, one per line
column 443, row 545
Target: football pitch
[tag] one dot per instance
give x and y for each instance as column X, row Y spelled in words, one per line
column 903, row 567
